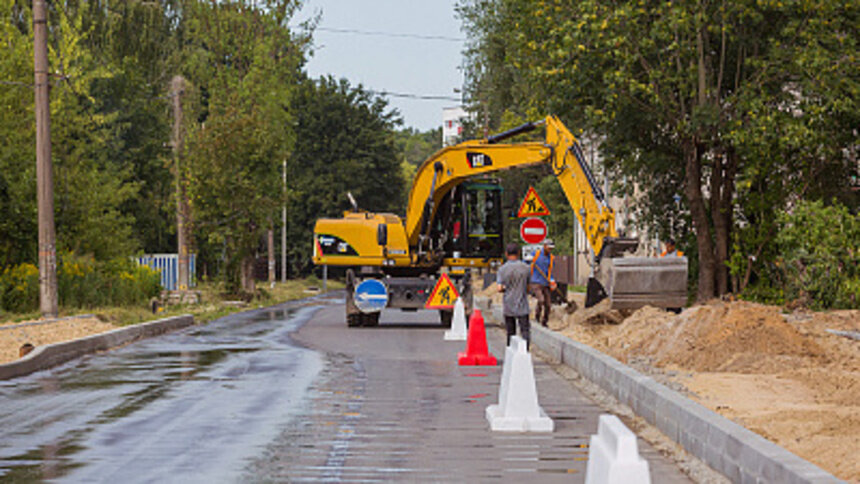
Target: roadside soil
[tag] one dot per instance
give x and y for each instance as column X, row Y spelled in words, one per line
column 12, row 336
column 781, row 375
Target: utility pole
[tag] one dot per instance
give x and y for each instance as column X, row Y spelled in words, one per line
column 284, row 229
column 44, row 168
column 177, row 90
column 271, row 252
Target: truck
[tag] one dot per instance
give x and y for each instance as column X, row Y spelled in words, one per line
column 453, row 224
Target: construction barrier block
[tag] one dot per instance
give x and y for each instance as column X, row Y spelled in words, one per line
column 613, row 455
column 518, row 409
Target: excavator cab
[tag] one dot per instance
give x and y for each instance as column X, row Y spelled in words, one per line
column 469, row 224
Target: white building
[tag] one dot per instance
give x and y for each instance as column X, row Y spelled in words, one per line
column 452, row 124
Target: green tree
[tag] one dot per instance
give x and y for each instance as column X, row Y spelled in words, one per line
column 345, row 142
column 90, row 189
column 244, row 62
column 720, row 101
column 820, row 256
column 414, row 147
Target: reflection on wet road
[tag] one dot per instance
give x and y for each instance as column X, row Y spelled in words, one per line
column 192, row 406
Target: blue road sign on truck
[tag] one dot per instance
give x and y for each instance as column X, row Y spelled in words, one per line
column 371, row 296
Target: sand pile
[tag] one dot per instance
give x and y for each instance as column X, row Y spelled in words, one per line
column 780, row 375
column 740, row 336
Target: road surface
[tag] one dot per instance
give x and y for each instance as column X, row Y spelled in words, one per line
column 288, row 394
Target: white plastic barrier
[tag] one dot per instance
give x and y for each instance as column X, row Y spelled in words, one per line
column 518, row 409
column 613, row 455
column 458, row 324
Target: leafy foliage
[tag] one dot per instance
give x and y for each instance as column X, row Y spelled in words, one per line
column 740, row 107
column 820, row 255
column 344, row 143
column 83, row 283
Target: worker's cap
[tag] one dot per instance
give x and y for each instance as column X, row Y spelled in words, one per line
column 548, row 243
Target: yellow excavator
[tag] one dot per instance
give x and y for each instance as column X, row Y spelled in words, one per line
column 454, row 223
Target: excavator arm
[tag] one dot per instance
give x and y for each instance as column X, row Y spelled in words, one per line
column 560, row 149
column 629, row 282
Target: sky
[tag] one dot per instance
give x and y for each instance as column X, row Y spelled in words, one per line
column 407, row 65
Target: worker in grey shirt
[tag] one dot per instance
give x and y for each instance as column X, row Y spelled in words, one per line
column 513, row 281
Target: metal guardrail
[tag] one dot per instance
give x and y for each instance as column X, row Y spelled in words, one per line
column 168, row 266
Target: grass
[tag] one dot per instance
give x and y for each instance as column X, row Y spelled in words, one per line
column 575, row 288
column 211, row 305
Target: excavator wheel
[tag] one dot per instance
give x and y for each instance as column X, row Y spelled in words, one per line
column 354, row 320
column 371, row 320
column 354, row 317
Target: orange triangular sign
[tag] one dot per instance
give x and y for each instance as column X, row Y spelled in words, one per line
column 532, row 205
column 443, row 295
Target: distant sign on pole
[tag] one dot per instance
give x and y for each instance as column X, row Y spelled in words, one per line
column 443, row 295
column 529, row 251
column 532, row 205
column 533, row 230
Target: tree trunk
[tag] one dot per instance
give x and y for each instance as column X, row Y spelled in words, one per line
column 693, row 191
column 247, row 274
column 720, row 207
column 724, row 238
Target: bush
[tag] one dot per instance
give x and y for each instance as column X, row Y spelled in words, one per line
column 820, row 255
column 19, row 288
column 82, row 282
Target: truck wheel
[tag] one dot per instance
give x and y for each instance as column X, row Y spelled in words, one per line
column 371, row 320
column 353, row 315
column 446, row 317
column 354, row 320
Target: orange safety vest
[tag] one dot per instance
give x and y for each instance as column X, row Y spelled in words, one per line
column 534, row 261
column 680, row 254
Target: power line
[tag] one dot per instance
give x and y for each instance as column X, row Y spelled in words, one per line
column 389, row 34
column 424, row 97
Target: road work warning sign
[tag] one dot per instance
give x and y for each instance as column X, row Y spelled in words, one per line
column 443, row 295
column 532, row 205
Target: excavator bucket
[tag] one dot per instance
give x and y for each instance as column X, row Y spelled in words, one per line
column 633, row 282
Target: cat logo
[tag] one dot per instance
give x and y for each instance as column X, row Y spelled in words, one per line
column 478, row 160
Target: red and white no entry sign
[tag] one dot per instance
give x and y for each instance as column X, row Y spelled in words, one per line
column 533, row 230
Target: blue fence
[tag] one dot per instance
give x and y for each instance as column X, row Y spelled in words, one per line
column 168, row 266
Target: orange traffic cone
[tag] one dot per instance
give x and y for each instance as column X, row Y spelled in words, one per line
column 476, row 353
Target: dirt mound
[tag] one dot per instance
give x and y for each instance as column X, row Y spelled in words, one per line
column 783, row 376
column 743, row 337
column 740, row 336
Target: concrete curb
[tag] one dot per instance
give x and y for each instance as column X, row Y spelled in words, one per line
column 739, row 454
column 45, row 357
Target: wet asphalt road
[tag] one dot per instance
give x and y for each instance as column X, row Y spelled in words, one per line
column 284, row 395
column 192, row 406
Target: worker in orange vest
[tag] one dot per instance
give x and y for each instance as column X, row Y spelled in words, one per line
column 670, row 250
column 541, row 282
